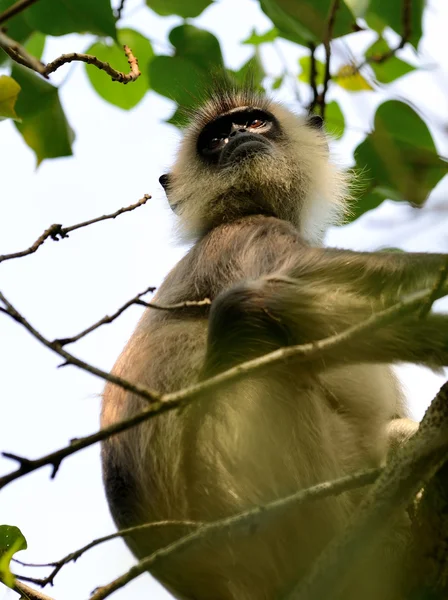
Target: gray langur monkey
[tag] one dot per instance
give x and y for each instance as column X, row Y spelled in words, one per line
column 254, row 189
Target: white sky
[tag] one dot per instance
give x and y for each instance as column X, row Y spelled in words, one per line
column 69, row 285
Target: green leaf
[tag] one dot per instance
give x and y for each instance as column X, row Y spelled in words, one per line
column 369, row 201
column 184, row 76
column 179, row 118
column 277, row 83
column 334, row 120
column 129, row 95
column 305, row 75
column 44, row 126
column 399, row 158
column 12, row 540
column 179, row 79
column 68, row 16
column 392, row 68
column 251, row 73
column 183, row 8
column 349, row 78
column 198, row 45
column 36, row 44
column 304, row 21
column 358, row 7
column 9, row 90
column 18, row 28
column 389, row 13
column 256, row 39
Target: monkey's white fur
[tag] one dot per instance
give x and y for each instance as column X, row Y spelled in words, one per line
column 312, row 193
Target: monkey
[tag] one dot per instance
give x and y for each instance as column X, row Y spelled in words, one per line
column 254, row 190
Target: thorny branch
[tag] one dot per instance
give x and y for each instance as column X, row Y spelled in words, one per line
column 160, row 403
column 57, row 232
column 413, row 465
column 246, row 523
column 15, row 9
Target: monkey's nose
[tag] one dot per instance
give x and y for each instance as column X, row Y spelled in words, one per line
column 236, row 131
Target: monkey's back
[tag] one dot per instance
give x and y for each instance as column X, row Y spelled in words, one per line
column 251, row 442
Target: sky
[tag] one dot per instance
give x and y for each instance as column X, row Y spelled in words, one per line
column 66, row 286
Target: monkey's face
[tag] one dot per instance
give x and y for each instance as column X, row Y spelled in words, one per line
column 239, row 158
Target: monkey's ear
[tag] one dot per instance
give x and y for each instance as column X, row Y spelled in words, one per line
column 315, row 121
column 164, row 181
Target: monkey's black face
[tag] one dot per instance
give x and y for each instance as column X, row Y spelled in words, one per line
column 237, row 135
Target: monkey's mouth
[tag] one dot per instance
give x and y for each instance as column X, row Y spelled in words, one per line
column 243, row 147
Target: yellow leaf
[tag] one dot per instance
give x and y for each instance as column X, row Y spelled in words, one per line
column 9, row 90
column 349, row 78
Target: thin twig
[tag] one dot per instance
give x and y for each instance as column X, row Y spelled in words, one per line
column 73, row 556
column 313, row 76
column 119, row 11
column 20, row 55
column 160, row 403
column 327, row 45
column 57, row 232
column 100, row 64
column 246, row 523
column 405, row 37
column 15, row 9
column 138, row 301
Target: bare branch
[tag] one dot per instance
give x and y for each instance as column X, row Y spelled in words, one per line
column 327, row 45
column 159, row 403
column 403, row 476
column 407, row 32
column 246, row 523
column 136, row 300
column 119, row 11
column 313, row 76
column 20, row 55
column 27, row 593
column 57, row 232
column 104, row 66
column 73, row 556
column 15, row 9
column 105, row 320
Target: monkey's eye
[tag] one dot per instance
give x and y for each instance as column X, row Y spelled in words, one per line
column 256, row 123
column 214, row 143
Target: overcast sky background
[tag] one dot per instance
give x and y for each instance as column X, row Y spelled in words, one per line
column 68, row 285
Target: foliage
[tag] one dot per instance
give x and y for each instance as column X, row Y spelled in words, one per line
column 11, row 541
column 397, row 159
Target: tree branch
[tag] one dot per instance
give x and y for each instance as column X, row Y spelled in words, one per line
column 15, row 9
column 313, row 77
column 20, row 55
column 100, row 64
column 27, row 593
column 327, row 45
column 159, row 403
column 57, row 232
column 246, row 523
column 403, row 476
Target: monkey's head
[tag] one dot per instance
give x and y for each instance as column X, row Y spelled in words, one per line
column 243, row 154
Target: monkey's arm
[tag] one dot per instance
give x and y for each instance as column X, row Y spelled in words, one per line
column 256, row 317
column 385, row 276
